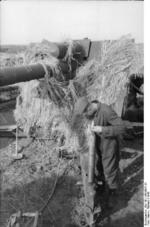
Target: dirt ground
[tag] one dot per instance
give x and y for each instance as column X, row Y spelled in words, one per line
column 26, row 185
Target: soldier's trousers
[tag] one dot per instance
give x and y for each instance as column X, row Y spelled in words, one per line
column 107, row 161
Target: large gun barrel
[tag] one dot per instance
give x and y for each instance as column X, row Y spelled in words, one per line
column 14, row 75
column 17, row 74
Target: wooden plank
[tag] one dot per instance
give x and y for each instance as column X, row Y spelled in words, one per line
column 89, row 191
column 131, row 150
column 7, row 128
column 137, row 124
column 9, row 88
column 6, row 106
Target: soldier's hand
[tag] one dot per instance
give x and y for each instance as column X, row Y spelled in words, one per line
column 97, row 129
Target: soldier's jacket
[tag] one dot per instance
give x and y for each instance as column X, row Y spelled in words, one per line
column 113, row 125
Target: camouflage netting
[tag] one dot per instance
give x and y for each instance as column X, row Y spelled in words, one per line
column 43, row 104
column 44, row 110
column 106, row 79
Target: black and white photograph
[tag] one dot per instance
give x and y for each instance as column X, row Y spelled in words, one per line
column 72, row 114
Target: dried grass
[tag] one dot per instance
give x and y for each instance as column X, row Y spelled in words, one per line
column 106, row 79
column 11, row 59
column 42, row 103
column 137, row 66
column 46, row 106
column 38, row 52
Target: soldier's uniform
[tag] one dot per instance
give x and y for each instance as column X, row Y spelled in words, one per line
column 107, row 144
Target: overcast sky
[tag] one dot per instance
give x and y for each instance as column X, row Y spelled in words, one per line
column 23, row 22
